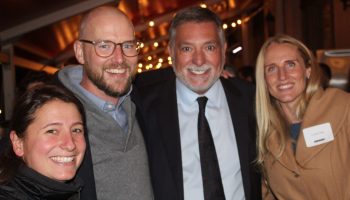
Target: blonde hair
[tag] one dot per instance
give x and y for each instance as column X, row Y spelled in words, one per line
column 270, row 119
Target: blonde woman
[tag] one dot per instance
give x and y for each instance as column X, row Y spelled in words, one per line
column 303, row 130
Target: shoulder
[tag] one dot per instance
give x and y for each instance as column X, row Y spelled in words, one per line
column 330, row 105
column 9, row 191
column 155, row 84
column 238, row 87
column 331, row 98
column 154, row 77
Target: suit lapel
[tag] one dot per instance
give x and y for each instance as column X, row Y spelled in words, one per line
column 167, row 116
column 240, row 121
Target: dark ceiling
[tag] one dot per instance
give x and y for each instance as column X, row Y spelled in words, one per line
column 42, row 32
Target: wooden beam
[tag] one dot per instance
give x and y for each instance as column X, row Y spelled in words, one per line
column 28, row 64
column 50, row 18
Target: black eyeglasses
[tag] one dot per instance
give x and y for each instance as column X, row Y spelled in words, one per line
column 105, row 48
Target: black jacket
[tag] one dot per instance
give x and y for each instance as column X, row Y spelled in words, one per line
column 30, row 185
column 157, row 93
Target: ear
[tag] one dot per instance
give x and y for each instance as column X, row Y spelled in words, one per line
column 171, row 54
column 79, row 53
column 308, row 72
column 17, row 144
column 224, row 53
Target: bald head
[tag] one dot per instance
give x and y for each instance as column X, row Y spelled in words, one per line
column 100, row 16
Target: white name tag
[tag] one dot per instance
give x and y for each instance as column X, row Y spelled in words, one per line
column 319, row 134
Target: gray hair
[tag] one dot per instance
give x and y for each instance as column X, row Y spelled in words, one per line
column 195, row 14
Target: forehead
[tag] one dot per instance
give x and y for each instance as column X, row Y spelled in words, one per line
column 192, row 32
column 109, row 26
column 277, row 51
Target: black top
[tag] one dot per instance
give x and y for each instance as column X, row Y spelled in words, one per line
column 30, row 185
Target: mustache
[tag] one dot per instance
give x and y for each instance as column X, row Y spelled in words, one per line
column 118, row 65
column 199, row 68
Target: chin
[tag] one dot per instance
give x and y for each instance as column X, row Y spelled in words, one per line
column 64, row 175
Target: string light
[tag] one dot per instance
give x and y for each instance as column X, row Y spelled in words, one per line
column 155, row 44
column 151, row 23
column 203, row 5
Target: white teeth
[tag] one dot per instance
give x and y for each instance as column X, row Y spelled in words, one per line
column 116, row 71
column 63, row 159
column 198, row 70
column 284, row 87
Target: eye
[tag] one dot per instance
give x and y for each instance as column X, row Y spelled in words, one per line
column 211, row 47
column 51, row 131
column 270, row 69
column 128, row 45
column 78, row 130
column 290, row 64
column 186, row 49
column 104, row 45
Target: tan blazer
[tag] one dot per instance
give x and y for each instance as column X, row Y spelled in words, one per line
column 318, row 172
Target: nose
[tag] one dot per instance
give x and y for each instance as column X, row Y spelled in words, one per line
column 67, row 141
column 118, row 54
column 198, row 58
column 282, row 74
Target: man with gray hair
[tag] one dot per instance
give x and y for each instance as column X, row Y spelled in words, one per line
column 200, row 128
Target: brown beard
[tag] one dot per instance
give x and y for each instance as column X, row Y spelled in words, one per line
column 103, row 86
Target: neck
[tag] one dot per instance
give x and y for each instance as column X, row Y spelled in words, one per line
column 289, row 112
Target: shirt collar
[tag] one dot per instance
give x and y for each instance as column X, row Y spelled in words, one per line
column 189, row 97
column 102, row 104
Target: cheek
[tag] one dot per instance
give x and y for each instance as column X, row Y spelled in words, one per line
column 80, row 143
column 269, row 80
column 182, row 59
column 36, row 152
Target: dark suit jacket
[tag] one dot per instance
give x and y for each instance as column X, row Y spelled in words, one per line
column 162, row 135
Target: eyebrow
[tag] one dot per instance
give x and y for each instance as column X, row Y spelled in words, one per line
column 58, row 123
column 288, row 60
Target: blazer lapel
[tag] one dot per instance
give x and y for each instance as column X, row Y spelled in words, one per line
column 240, row 120
column 167, row 116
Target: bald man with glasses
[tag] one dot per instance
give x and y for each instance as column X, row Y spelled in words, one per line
column 116, row 164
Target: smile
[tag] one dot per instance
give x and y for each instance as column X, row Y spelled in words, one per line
column 198, row 70
column 116, row 71
column 63, row 159
column 285, row 86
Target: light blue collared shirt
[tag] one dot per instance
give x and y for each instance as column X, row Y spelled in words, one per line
column 219, row 119
column 116, row 111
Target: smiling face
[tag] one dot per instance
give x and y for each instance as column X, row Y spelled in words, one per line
column 110, row 76
column 285, row 73
column 54, row 143
column 198, row 55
